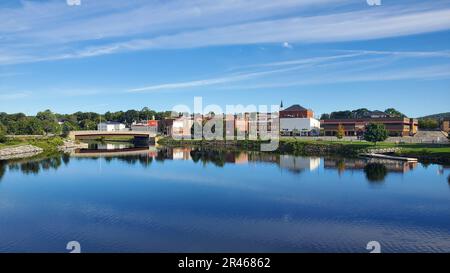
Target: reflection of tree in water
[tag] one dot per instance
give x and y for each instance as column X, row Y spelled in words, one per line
column 448, row 179
column 2, row 169
column 340, row 166
column 144, row 160
column 33, row 165
column 163, row 154
column 375, row 172
column 217, row 157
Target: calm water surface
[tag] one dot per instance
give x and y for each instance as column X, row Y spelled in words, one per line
column 114, row 198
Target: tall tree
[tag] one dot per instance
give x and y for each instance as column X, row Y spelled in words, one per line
column 394, row 113
column 375, row 132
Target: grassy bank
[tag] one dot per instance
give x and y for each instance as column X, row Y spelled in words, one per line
column 433, row 153
column 48, row 144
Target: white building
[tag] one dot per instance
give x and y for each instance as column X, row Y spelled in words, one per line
column 299, row 126
column 111, row 126
column 181, row 127
column 298, row 163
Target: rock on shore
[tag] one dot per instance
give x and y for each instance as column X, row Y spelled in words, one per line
column 19, row 152
column 69, row 146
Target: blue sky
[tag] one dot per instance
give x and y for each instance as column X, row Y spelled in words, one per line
column 323, row 54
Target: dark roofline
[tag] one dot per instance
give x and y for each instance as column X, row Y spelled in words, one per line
column 295, row 107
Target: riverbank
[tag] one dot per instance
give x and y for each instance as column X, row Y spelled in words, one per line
column 428, row 153
column 20, row 151
column 29, row 147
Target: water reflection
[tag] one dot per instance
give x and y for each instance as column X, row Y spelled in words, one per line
column 342, row 164
column 165, row 200
column 375, row 170
column 34, row 165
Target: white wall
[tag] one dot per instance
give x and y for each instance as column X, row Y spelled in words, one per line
column 110, row 127
column 300, row 124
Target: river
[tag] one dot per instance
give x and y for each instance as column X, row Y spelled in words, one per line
column 120, row 198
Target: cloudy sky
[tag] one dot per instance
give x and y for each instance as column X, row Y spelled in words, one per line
column 323, row 54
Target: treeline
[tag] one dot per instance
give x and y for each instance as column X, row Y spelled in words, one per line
column 47, row 122
column 359, row 113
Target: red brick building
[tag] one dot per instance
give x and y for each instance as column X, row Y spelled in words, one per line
column 296, row 111
column 356, row 127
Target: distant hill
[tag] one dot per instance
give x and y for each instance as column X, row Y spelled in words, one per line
column 437, row 116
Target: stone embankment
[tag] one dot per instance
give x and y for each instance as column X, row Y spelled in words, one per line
column 22, row 151
column 70, row 146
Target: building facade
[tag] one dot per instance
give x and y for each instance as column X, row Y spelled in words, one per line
column 356, row 127
column 111, row 126
column 297, row 120
column 150, row 126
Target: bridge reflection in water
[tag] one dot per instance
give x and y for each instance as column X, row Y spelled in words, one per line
column 375, row 169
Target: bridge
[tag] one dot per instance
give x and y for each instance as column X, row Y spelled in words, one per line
column 149, row 137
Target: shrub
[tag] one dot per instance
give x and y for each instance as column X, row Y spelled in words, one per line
column 376, row 132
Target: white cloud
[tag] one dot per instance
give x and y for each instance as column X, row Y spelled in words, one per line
column 213, row 81
column 357, row 66
column 287, row 45
column 54, row 31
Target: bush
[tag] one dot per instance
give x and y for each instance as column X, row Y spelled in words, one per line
column 428, row 123
column 376, row 132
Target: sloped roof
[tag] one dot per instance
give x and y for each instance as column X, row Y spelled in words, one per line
column 295, row 107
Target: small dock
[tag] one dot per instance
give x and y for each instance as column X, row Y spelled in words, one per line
column 382, row 156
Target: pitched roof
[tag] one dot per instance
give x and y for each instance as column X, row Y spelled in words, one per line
column 295, row 107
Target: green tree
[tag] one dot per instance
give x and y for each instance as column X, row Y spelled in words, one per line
column 428, row 123
column 375, row 132
column 341, row 115
column 130, row 116
column 88, row 124
column 32, row 126
column 49, row 122
column 2, row 133
column 360, row 113
column 340, row 132
column 394, row 113
column 325, row 116
column 67, row 127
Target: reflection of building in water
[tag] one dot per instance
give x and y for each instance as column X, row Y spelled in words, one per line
column 241, row 158
column 289, row 162
column 298, row 163
column 263, row 157
column 112, row 146
column 236, row 157
column 359, row 164
column 181, row 153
